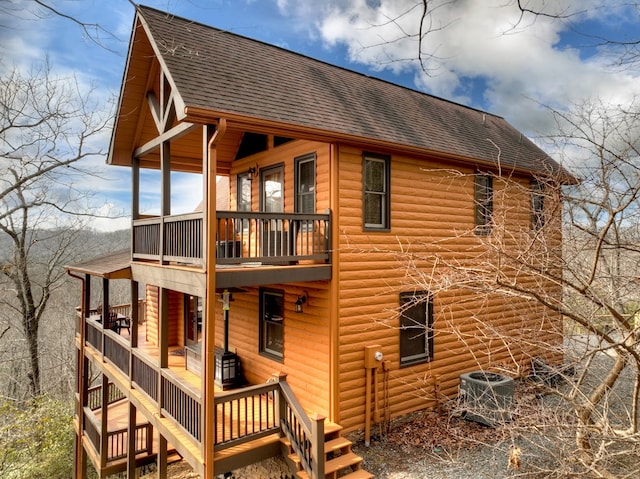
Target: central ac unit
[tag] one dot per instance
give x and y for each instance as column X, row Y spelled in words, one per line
column 486, row 397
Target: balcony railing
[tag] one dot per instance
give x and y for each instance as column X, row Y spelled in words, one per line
column 242, row 237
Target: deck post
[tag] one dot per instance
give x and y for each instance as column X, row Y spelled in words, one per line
column 131, row 442
column 210, row 139
column 317, row 445
column 104, row 420
column 162, row 457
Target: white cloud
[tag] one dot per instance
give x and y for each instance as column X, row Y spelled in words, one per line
column 519, row 59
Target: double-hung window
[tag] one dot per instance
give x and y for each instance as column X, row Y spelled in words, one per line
column 416, row 328
column 376, row 197
column 243, row 186
column 537, row 205
column 306, row 183
column 483, row 203
column 272, row 324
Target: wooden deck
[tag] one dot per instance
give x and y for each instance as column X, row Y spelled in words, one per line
column 247, row 419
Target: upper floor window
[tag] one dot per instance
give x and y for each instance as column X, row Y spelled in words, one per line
column 244, row 192
column 537, row 205
column 306, row 183
column 483, row 202
column 272, row 189
column 376, row 198
column 416, row 328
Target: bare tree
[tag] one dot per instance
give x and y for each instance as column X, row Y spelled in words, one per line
column 624, row 48
column 48, row 125
column 581, row 417
column 41, row 10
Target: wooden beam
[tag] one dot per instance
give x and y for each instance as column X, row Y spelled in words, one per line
column 208, row 376
column 154, row 108
column 172, row 134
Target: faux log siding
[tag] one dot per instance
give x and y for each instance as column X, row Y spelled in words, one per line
column 286, row 155
column 429, row 203
column 176, row 316
column 151, row 313
column 306, row 342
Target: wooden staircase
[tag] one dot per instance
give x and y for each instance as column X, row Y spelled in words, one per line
column 340, row 461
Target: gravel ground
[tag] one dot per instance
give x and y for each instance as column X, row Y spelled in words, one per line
column 445, row 446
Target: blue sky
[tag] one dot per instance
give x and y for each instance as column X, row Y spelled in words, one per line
column 480, row 53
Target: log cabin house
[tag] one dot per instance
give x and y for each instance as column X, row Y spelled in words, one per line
column 270, row 326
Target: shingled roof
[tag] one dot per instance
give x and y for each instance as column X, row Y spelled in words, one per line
column 221, row 74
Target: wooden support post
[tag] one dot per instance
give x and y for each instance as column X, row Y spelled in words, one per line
column 317, row 445
column 162, row 457
column 104, row 422
column 210, row 139
column 131, row 442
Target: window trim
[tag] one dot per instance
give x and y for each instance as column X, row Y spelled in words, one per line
column 263, row 322
column 385, row 194
column 425, row 298
column 538, row 217
column 263, row 173
column 243, row 179
column 298, row 161
column 483, row 201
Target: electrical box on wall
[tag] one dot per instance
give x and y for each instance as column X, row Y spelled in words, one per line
column 372, row 356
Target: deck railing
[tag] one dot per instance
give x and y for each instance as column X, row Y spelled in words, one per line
column 94, row 396
column 259, row 411
column 93, row 331
column 117, row 442
column 305, row 434
column 240, row 416
column 242, row 237
column 145, row 376
column 182, row 404
column 245, row 415
column 117, row 350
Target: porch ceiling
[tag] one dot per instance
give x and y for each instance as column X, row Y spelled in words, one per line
column 111, row 266
column 228, row 276
column 186, row 152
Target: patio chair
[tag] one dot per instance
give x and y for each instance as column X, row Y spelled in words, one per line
column 112, row 322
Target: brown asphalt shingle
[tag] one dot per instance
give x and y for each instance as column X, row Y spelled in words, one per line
column 224, row 72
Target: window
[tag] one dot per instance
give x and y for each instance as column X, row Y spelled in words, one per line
column 271, row 324
column 416, row 328
column 193, row 319
column 243, row 193
column 306, row 184
column 484, row 202
column 272, row 189
column 537, row 205
column 375, row 179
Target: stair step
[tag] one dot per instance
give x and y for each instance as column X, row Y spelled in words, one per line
column 359, row 474
column 331, row 428
column 340, row 462
column 337, row 444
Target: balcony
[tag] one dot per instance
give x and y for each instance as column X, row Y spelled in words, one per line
column 251, row 248
column 243, row 237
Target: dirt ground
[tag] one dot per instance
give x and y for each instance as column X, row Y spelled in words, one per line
column 426, row 445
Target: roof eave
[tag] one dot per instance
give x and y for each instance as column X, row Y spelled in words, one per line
column 259, row 125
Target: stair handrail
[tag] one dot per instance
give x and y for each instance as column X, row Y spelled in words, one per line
column 305, row 434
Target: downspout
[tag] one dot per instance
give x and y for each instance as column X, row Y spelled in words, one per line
column 210, row 301
column 79, row 452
